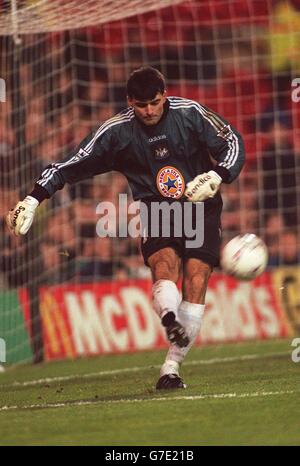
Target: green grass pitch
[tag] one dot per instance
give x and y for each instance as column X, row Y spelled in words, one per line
column 237, row 394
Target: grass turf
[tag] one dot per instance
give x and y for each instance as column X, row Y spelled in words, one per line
column 238, row 394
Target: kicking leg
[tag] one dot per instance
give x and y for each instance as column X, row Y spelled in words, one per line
column 191, row 310
column 165, row 267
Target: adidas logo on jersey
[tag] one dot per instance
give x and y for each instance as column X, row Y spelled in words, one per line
column 157, row 138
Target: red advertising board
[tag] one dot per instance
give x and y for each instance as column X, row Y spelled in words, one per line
column 117, row 317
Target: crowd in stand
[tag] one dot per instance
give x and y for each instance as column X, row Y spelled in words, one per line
column 69, row 84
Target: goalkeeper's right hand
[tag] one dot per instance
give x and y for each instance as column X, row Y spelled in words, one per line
column 20, row 218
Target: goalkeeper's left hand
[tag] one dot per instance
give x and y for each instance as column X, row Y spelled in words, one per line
column 202, row 187
column 20, row 218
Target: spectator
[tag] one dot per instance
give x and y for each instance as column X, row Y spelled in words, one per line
column 274, row 227
column 7, row 154
column 58, row 263
column 96, row 259
column 13, row 259
column 132, row 261
column 290, row 252
column 279, row 168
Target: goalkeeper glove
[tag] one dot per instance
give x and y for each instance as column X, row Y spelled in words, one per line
column 20, row 218
column 202, row 187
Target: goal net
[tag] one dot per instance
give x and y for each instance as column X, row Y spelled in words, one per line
column 63, row 66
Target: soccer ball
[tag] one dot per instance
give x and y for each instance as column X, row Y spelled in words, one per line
column 244, row 257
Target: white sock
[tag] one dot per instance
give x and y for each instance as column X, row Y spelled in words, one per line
column 166, row 297
column 190, row 316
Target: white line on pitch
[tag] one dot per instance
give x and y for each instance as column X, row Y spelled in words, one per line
column 141, row 400
column 245, row 357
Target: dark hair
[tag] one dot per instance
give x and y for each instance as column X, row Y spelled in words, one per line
column 144, row 83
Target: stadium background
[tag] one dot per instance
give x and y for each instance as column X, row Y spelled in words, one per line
column 66, row 293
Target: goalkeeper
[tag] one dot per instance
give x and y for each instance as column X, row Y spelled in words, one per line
column 170, row 149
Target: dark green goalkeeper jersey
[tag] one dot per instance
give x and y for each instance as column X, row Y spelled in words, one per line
column 158, row 161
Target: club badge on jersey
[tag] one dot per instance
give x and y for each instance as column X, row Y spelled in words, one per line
column 159, row 147
column 161, row 153
column 170, row 182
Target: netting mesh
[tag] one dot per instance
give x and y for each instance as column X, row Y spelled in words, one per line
column 37, row 16
column 67, row 75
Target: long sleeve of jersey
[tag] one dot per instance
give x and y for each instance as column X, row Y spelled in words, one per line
column 93, row 156
column 224, row 143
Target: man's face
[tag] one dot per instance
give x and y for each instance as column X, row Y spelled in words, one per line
column 149, row 111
